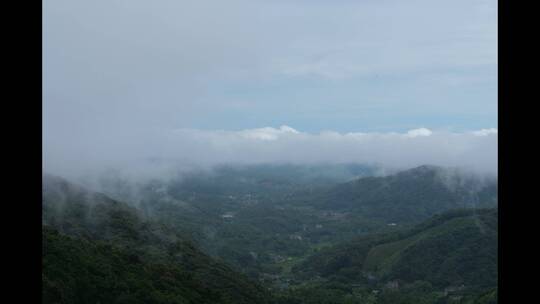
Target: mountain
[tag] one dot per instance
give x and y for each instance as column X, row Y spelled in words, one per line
column 242, row 213
column 256, row 217
column 323, row 234
column 268, row 180
column 450, row 256
column 409, row 196
column 99, row 250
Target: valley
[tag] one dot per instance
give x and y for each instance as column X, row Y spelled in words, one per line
column 294, row 234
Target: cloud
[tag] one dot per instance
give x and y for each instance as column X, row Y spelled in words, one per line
column 419, row 132
column 151, row 85
column 268, row 133
column 170, row 63
column 485, row 132
column 171, row 149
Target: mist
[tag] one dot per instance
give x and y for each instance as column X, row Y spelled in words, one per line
column 160, row 154
column 151, row 88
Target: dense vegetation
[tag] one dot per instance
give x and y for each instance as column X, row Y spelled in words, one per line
column 260, row 219
column 453, row 255
column 84, row 271
column 310, row 234
column 98, row 250
column 409, row 196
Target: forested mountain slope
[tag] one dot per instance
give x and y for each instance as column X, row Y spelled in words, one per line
column 451, row 255
column 424, row 235
column 409, row 196
column 256, row 217
column 98, row 250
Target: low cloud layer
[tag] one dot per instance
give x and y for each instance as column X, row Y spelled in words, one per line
column 156, row 152
column 152, row 86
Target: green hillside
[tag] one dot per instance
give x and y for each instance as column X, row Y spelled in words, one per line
column 273, row 234
column 256, row 218
column 454, row 252
column 409, row 196
column 98, row 250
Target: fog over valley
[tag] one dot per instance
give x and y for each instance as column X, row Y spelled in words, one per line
column 269, row 152
column 154, row 153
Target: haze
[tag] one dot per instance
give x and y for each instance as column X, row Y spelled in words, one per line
column 398, row 83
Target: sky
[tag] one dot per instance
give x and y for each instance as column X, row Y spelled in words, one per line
column 131, row 79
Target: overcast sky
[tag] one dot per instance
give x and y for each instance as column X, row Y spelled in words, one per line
column 210, row 81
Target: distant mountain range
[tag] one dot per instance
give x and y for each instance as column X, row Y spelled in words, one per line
column 408, row 196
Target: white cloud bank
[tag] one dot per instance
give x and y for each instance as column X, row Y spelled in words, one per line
column 474, row 150
column 419, row 132
column 485, row 132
